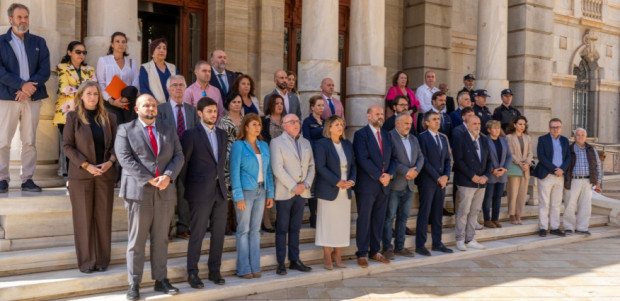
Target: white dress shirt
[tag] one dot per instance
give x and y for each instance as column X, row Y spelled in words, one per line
column 286, row 103
column 146, row 133
column 425, row 95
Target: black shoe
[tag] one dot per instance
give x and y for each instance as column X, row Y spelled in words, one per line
column 568, row 232
column 30, row 186
column 447, row 213
column 88, row 271
column 586, row 233
column 298, row 265
column 165, row 287
column 134, row 292
column 542, row 232
column 194, row 281
column 423, row 251
column 4, row 186
column 272, row 230
column 557, row 232
column 216, row 277
column 442, row 248
column 281, row 270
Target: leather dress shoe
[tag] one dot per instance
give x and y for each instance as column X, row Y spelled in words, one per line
column 87, row 271
column 408, row 231
column 268, row 230
column 557, row 232
column 447, row 213
column 281, row 270
column 542, row 232
column 30, row 186
column 300, row 266
column 423, row 251
column 194, row 281
column 363, row 262
column 216, row 277
column 184, row 235
column 133, row 293
column 442, row 248
column 378, row 257
column 165, row 287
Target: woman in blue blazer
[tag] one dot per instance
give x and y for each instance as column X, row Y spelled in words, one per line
column 312, row 129
column 335, row 175
column 252, row 181
column 500, row 160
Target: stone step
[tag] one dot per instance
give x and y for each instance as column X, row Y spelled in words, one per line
column 56, row 284
column 38, row 260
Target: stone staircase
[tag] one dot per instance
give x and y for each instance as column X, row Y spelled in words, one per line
column 37, row 257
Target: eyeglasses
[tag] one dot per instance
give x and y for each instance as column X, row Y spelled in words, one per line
column 555, row 127
column 293, row 121
column 84, row 52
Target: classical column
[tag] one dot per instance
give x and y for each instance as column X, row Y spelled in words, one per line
column 319, row 49
column 366, row 71
column 492, row 48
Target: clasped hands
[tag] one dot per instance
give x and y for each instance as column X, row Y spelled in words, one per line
column 99, row 169
column 160, row 182
column 28, row 88
column 498, row 172
column 479, row 180
column 385, row 179
column 342, row 184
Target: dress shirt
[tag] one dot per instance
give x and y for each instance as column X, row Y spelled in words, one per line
column 476, row 142
column 22, row 58
column 286, row 102
column 407, row 144
column 146, row 133
column 222, row 78
column 212, row 138
column 107, row 68
column 374, row 133
column 260, row 178
column 194, row 93
column 582, row 167
column 435, row 138
column 425, row 95
column 175, row 111
column 557, row 151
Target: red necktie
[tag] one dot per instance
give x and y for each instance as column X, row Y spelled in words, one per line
column 380, row 142
column 154, row 145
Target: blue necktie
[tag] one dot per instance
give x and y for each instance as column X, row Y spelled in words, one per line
column 331, row 106
column 222, row 83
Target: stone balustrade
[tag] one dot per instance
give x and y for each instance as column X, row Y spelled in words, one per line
column 592, row 9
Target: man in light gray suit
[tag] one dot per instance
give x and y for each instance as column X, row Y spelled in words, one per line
column 151, row 157
column 182, row 117
column 291, row 101
column 292, row 163
column 409, row 161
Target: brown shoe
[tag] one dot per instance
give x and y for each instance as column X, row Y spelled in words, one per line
column 489, row 224
column 497, row 224
column 256, row 275
column 183, row 235
column 408, row 231
column 404, row 252
column 378, row 257
column 363, row 262
column 247, row 276
column 389, row 254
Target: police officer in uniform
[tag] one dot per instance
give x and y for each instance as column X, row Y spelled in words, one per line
column 468, row 85
column 481, row 110
column 505, row 112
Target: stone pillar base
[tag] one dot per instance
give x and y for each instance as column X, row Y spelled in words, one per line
column 368, row 83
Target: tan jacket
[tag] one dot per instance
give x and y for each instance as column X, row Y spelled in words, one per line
column 517, row 155
column 288, row 168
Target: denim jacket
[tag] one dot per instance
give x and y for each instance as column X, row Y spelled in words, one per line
column 244, row 169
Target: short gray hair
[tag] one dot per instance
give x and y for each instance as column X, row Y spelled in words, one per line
column 580, row 129
column 15, row 6
column 173, row 77
column 401, row 115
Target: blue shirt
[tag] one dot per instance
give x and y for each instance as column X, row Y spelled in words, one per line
column 22, row 58
column 557, row 151
column 212, row 138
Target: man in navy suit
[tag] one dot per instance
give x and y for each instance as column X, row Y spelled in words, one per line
column 204, row 148
column 432, row 183
column 221, row 77
column 472, row 167
column 553, row 160
column 291, row 101
column 373, row 152
column 439, row 104
column 464, row 101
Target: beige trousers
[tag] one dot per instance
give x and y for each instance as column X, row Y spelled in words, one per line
column 550, row 192
column 26, row 114
column 516, row 190
column 580, row 199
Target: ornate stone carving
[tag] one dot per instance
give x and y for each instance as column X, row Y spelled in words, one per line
column 589, row 52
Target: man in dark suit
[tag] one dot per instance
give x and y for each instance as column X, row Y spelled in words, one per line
column 182, row 117
column 432, row 183
column 291, row 101
column 221, row 77
column 205, row 189
column 472, row 167
column 151, row 157
column 553, row 160
column 409, row 162
column 438, row 101
column 464, row 101
column 449, row 99
column 461, row 129
column 373, row 155
column 400, row 104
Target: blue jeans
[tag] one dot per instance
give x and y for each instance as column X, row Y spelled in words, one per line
column 492, row 197
column 398, row 202
column 248, row 231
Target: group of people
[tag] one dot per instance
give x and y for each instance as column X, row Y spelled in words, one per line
column 208, row 158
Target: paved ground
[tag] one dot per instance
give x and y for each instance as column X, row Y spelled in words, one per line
column 587, row 270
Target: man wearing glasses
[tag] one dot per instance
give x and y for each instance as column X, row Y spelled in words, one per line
column 553, row 160
column 399, row 104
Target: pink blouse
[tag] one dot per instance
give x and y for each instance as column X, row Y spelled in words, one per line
column 414, row 102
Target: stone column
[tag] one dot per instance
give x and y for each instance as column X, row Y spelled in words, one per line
column 319, row 49
column 366, row 72
column 492, row 48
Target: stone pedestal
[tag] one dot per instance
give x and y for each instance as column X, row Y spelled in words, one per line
column 319, row 49
column 366, row 71
column 492, row 48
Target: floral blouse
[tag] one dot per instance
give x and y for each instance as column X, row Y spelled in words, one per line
column 226, row 124
column 68, row 83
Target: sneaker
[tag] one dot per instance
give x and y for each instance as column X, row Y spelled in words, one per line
column 29, row 185
column 4, row 186
column 461, row 245
column 474, row 244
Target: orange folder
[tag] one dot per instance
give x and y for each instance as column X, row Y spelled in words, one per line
column 115, row 87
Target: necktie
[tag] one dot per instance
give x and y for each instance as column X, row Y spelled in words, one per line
column 438, row 141
column 331, row 106
column 180, row 121
column 380, row 141
column 222, row 83
column 212, row 140
column 153, row 144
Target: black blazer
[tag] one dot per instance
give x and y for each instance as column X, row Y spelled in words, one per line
column 370, row 162
column 202, row 172
column 327, row 164
column 231, row 75
column 466, row 162
column 436, row 163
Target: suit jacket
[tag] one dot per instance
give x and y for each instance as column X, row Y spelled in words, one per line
column 545, row 156
column 466, row 161
column 78, row 145
column 450, row 104
column 139, row 162
column 202, row 173
column 166, row 115
column 503, row 161
column 328, row 172
column 519, row 156
column 445, row 127
column 230, row 75
column 404, row 162
column 456, row 118
column 371, row 164
column 288, row 168
column 436, row 163
column 293, row 102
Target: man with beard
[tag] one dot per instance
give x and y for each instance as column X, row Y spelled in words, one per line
column 203, row 87
column 24, row 69
column 449, row 99
column 151, row 157
column 291, row 101
column 222, row 78
column 439, row 104
column 373, row 155
column 468, row 85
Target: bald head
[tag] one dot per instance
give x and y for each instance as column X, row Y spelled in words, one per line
column 375, row 116
column 218, row 60
column 280, row 79
column 327, row 87
column 146, row 107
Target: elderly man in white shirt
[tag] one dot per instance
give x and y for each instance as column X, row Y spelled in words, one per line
column 424, row 93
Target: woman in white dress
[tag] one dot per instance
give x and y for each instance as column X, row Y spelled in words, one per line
column 335, row 176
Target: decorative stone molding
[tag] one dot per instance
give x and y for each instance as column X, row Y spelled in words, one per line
column 564, row 80
column 606, row 85
column 606, row 206
column 587, row 50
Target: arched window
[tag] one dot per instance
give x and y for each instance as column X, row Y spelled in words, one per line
column 580, row 96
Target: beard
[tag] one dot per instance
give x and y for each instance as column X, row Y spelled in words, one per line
column 377, row 123
column 20, row 29
column 282, row 86
column 208, row 122
column 147, row 116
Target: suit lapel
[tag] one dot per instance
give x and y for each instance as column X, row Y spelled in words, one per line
column 139, row 131
column 205, row 141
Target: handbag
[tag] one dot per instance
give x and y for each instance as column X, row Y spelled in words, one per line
column 514, row 170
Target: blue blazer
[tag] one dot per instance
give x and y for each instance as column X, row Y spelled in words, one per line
column 466, row 162
column 312, row 130
column 38, row 64
column 436, row 163
column 244, row 168
column 456, row 118
column 445, row 127
column 327, row 164
column 545, row 156
column 503, row 161
column 370, row 163
column 214, row 81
